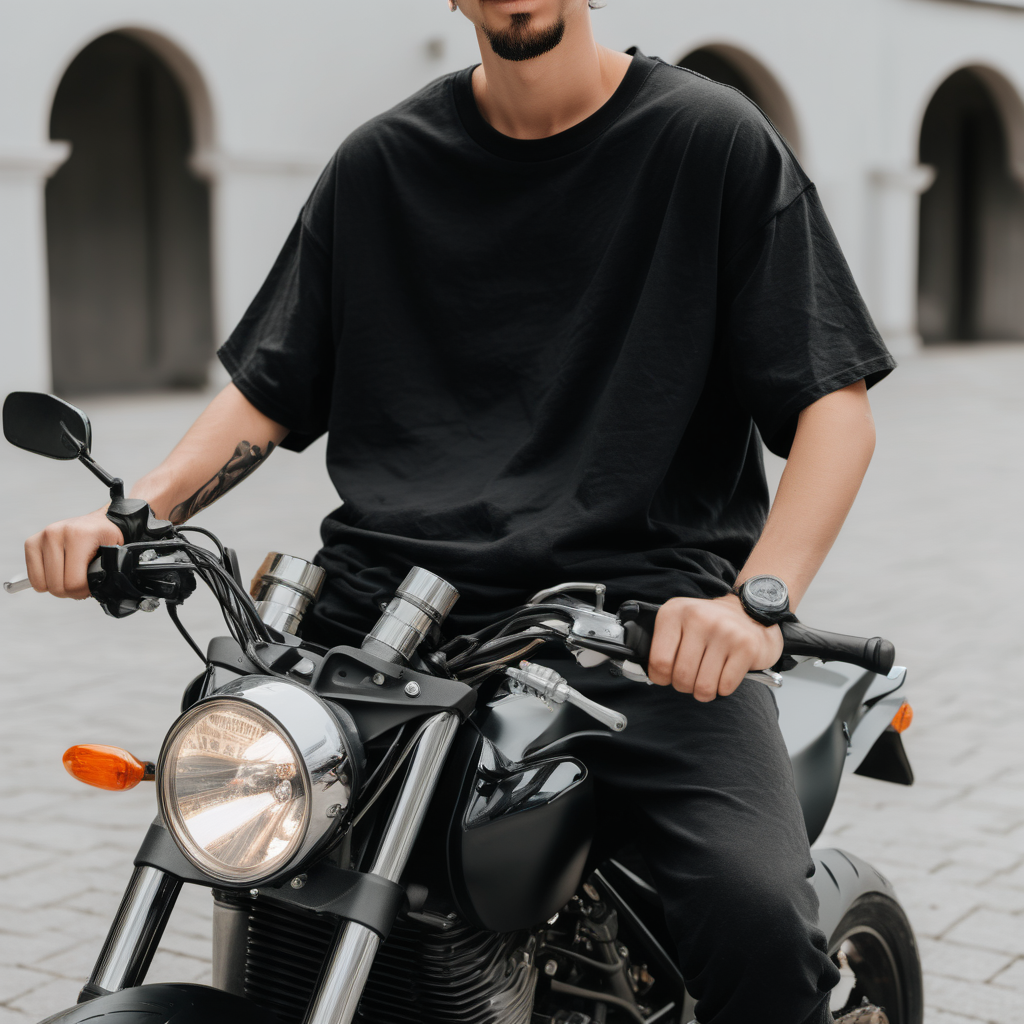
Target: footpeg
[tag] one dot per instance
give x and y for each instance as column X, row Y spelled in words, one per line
column 547, row 685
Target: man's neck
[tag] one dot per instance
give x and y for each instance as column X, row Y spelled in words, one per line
column 534, row 99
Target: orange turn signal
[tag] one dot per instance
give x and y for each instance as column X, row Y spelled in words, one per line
column 105, row 767
column 903, row 718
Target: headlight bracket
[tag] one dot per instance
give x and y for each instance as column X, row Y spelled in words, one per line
column 348, row 895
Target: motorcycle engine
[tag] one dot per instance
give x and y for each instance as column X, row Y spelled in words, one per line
column 422, row 974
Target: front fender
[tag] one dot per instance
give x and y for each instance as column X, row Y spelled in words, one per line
column 839, row 879
column 165, row 1004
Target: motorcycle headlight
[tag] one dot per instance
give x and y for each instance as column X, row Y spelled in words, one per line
column 255, row 778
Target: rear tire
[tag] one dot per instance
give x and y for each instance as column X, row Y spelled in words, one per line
column 881, row 950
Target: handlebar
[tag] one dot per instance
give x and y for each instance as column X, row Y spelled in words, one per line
column 875, row 654
column 17, row 584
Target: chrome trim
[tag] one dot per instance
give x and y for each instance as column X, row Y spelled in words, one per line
column 316, row 737
column 136, row 930
column 422, row 601
column 348, row 966
column 597, row 589
column 16, row 584
column 283, row 589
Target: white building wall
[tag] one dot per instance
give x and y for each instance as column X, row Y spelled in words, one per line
column 274, row 88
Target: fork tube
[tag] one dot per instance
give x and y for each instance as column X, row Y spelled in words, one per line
column 349, row 964
column 135, row 933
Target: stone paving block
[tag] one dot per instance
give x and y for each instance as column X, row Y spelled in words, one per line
column 76, row 962
column 168, row 966
column 962, row 874
column 57, row 994
column 973, row 999
column 934, row 1016
column 23, row 950
column 17, row 981
column 40, row 888
column 963, row 962
column 1012, row 977
column 989, row 929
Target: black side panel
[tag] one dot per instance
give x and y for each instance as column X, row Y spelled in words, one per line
column 512, row 871
column 818, row 771
column 165, row 1004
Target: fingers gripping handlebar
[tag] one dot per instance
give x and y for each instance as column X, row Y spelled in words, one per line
column 875, row 655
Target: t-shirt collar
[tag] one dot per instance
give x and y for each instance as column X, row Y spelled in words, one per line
column 571, row 139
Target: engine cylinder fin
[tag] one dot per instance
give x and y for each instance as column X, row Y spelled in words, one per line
column 420, row 976
column 461, row 976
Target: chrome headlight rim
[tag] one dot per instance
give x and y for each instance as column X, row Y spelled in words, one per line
column 325, row 744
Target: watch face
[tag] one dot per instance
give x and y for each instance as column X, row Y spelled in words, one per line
column 767, row 594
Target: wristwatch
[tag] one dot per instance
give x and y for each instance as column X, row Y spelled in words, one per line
column 766, row 600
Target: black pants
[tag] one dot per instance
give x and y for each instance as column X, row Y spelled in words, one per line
column 710, row 789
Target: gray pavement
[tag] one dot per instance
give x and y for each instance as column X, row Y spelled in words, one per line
column 932, row 556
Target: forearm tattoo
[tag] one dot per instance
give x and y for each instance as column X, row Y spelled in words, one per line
column 245, row 459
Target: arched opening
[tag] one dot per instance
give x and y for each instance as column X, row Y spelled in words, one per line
column 971, row 260
column 128, row 227
column 732, row 66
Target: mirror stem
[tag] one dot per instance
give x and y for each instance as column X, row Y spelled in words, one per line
column 115, row 483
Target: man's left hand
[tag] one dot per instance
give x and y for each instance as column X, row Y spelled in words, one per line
column 706, row 647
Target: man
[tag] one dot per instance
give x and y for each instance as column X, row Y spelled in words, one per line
column 545, row 310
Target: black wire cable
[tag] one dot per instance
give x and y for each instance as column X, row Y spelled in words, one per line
column 544, row 611
column 206, row 533
column 172, row 611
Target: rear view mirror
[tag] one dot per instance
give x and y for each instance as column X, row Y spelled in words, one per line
column 46, row 425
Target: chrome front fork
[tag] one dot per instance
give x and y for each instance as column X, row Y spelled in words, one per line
column 348, row 966
column 133, row 937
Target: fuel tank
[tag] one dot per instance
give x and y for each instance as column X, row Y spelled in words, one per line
column 522, row 826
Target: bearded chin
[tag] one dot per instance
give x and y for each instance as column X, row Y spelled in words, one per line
column 520, row 42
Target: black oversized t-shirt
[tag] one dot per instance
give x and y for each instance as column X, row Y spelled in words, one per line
column 549, row 360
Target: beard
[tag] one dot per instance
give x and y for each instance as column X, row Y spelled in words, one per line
column 518, row 42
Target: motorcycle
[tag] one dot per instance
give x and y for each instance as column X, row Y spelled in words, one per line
column 401, row 833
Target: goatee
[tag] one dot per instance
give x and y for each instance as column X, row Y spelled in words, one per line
column 518, row 43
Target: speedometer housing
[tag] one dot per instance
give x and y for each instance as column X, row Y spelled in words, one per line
column 256, row 778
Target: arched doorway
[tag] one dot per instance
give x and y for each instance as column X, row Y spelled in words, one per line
column 735, row 67
column 128, row 227
column 971, row 260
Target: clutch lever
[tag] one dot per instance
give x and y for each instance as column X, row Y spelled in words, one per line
column 548, row 686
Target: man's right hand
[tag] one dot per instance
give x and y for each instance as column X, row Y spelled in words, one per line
column 57, row 558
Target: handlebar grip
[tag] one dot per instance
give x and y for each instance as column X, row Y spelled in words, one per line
column 638, row 618
column 875, row 655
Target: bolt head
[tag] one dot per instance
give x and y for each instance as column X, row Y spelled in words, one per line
column 378, row 678
column 412, row 688
column 551, row 968
column 334, row 810
column 254, row 892
column 298, row 881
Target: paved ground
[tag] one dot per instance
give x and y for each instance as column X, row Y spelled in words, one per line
column 932, row 556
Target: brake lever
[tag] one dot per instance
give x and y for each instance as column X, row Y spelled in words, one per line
column 547, row 685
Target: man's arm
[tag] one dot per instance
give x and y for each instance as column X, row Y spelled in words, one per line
column 707, row 647
column 229, row 440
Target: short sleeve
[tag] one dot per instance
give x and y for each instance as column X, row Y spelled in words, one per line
column 793, row 321
column 281, row 354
